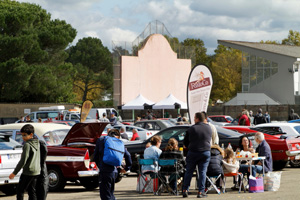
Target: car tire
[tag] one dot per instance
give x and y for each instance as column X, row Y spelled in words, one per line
column 295, row 163
column 90, row 183
column 57, row 180
column 278, row 165
column 9, row 189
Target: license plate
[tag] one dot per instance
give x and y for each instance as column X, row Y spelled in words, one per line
column 13, row 156
column 297, row 157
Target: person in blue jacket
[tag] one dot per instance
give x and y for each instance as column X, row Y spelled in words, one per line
column 108, row 173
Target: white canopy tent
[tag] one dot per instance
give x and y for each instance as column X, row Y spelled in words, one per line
column 170, row 102
column 139, row 103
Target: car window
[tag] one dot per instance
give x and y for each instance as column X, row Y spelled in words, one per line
column 7, row 143
column 223, row 133
column 155, row 126
column 297, row 128
column 177, row 133
column 167, row 123
column 31, row 116
column 42, row 115
column 52, row 114
column 67, row 116
column 74, row 117
column 55, row 137
column 139, row 125
column 19, row 138
column 229, row 119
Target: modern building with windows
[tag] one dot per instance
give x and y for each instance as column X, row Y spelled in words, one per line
column 271, row 70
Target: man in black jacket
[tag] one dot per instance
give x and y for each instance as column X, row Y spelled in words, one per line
column 197, row 139
column 42, row 184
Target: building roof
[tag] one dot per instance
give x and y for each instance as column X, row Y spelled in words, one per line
column 251, row 99
column 287, row 50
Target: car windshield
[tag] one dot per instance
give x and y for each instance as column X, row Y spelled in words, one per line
column 297, row 128
column 227, row 132
column 7, row 143
column 167, row 123
column 177, row 133
column 55, row 137
column 229, row 118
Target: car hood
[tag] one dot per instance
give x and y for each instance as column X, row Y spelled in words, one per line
column 84, row 132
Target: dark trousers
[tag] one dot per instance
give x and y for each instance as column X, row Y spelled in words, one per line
column 42, row 186
column 107, row 185
column 29, row 183
column 201, row 159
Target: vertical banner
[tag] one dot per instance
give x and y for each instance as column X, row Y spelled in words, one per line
column 85, row 109
column 198, row 90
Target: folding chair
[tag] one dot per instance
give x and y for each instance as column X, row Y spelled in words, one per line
column 147, row 179
column 240, row 181
column 169, row 169
column 213, row 181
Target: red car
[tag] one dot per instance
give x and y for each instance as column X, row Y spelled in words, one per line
column 283, row 148
column 221, row 118
column 70, row 151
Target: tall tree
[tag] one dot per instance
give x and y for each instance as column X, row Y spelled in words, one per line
column 32, row 54
column 226, row 71
column 292, row 39
column 94, row 65
column 199, row 50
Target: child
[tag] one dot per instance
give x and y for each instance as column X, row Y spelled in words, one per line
column 30, row 162
column 230, row 164
column 215, row 164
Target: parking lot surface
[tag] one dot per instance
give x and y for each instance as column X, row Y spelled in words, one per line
column 289, row 189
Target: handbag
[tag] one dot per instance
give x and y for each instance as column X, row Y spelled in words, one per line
column 272, row 181
column 256, row 184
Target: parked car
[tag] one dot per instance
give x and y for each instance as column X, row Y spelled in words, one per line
column 154, row 125
column 69, row 123
column 143, row 133
column 97, row 113
column 70, row 151
column 10, row 154
column 284, row 148
column 291, row 129
column 44, row 115
column 178, row 132
column 71, row 116
column 221, row 118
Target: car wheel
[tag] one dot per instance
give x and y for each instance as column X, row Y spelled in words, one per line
column 90, row 183
column 278, row 165
column 57, row 180
column 9, row 189
column 295, row 163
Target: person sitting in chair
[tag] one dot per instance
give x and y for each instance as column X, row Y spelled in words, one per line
column 215, row 164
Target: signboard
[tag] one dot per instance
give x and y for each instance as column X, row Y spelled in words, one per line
column 85, row 109
column 198, row 90
column 27, row 111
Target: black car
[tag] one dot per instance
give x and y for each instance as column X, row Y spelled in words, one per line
column 178, row 132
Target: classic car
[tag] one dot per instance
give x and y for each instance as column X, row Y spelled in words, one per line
column 10, row 154
column 221, row 118
column 178, row 132
column 284, row 147
column 154, row 125
column 70, row 151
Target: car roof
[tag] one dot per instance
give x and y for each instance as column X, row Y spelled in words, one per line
column 39, row 128
column 278, row 124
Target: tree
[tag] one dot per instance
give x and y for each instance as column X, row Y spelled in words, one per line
column 199, row 49
column 292, row 39
column 226, row 71
column 32, row 54
column 94, row 65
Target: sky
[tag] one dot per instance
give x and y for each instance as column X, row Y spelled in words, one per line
column 208, row 20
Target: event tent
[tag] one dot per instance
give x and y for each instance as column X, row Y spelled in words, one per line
column 170, row 102
column 139, row 103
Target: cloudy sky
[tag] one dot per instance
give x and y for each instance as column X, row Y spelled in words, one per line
column 209, row 20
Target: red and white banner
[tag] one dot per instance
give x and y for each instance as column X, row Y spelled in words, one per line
column 198, row 92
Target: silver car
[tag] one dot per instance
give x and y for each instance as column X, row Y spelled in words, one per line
column 10, row 154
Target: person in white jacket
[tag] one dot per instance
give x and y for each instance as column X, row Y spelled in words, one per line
column 231, row 165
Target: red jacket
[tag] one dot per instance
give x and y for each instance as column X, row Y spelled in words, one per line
column 247, row 121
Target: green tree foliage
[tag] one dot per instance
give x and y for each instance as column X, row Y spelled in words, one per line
column 32, row 54
column 292, row 39
column 94, row 65
column 226, row 71
column 199, row 49
column 270, row 42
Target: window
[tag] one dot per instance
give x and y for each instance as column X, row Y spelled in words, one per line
column 177, row 133
column 55, row 137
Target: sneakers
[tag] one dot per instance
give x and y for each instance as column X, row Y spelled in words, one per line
column 201, row 195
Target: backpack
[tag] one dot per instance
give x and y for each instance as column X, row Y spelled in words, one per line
column 114, row 150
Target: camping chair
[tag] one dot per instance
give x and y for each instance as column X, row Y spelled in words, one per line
column 147, row 180
column 213, row 182
column 240, row 181
column 168, row 169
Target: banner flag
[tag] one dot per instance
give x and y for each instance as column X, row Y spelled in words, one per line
column 85, row 110
column 198, row 90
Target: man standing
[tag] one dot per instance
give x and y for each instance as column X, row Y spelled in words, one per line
column 214, row 136
column 108, row 173
column 197, row 139
column 259, row 118
column 113, row 119
column 293, row 115
column 104, row 119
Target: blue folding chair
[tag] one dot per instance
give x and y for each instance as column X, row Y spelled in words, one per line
column 147, row 179
column 168, row 169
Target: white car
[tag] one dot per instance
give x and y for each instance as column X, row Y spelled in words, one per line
column 291, row 129
column 10, row 154
column 143, row 133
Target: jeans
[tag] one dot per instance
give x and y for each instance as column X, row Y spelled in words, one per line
column 201, row 159
column 107, row 185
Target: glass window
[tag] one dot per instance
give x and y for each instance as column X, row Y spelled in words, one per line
column 267, row 73
column 19, row 138
column 253, row 57
column 177, row 133
column 139, row 125
column 74, row 117
column 156, row 126
column 297, row 128
column 245, row 88
column 260, row 75
column 7, row 143
column 260, row 62
column 52, row 114
column 274, row 70
column 55, row 137
column 245, row 76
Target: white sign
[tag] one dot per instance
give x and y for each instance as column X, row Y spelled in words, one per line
column 198, row 92
column 27, row 111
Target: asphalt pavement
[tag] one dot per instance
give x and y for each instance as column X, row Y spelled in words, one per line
column 289, row 189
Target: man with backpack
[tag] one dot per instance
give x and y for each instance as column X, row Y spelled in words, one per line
column 108, row 155
column 259, row 118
